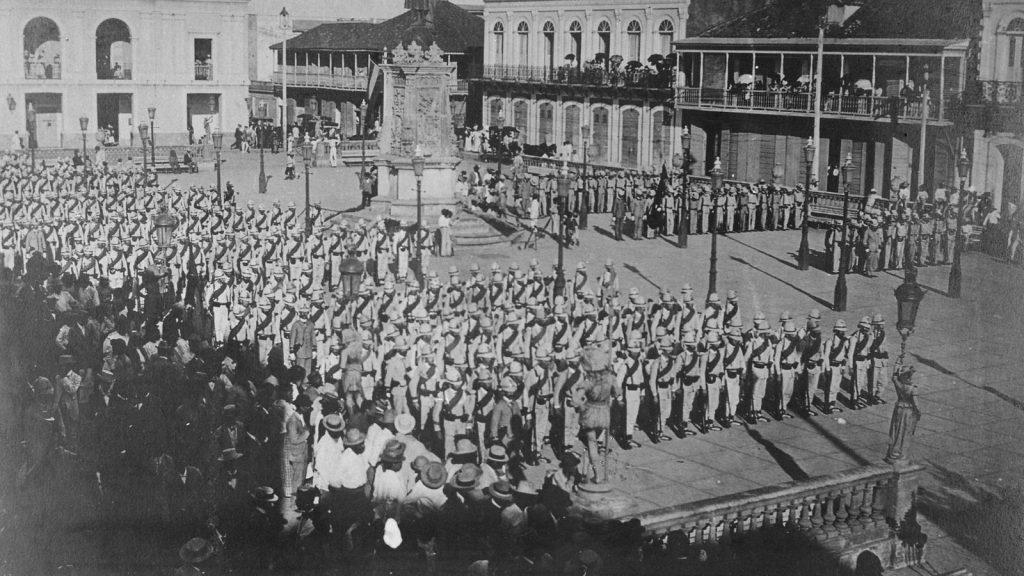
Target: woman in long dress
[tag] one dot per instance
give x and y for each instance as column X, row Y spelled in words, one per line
column 444, row 231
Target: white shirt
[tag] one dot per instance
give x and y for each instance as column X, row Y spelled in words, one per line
column 376, row 439
column 426, row 499
column 388, row 486
column 337, row 466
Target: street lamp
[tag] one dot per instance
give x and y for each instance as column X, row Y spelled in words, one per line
column 30, row 115
column 144, row 136
column 83, row 123
column 804, row 255
column 585, row 201
column 362, row 162
column 681, row 163
column 218, row 141
column 307, row 158
column 963, row 164
column 501, row 140
column 717, row 181
column 908, row 298
column 839, row 298
column 419, row 164
column 262, row 137
column 152, row 134
column 164, row 225
column 563, row 199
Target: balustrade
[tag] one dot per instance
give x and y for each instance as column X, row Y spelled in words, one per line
column 869, row 107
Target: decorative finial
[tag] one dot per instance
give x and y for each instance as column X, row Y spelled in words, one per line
column 718, row 163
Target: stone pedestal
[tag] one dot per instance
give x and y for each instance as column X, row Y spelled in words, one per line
column 416, row 115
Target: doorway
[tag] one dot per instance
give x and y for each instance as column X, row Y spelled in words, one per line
column 114, row 113
column 203, row 113
column 49, row 118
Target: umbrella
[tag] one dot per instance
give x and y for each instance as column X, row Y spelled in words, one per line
column 803, row 79
column 863, row 84
column 745, row 79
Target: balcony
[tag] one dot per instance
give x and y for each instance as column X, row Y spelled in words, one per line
column 42, row 70
column 301, row 77
column 994, row 106
column 641, row 79
column 1001, row 93
column 204, row 71
column 802, row 103
column 113, row 73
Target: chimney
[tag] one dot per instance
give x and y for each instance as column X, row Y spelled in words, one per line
column 839, row 11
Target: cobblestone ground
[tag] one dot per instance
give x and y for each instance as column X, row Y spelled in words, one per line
column 967, row 352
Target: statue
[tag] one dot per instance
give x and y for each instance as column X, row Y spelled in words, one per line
column 905, row 415
column 599, row 386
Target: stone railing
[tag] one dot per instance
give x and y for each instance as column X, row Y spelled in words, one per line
column 845, row 513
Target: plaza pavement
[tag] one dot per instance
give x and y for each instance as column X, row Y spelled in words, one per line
column 967, row 353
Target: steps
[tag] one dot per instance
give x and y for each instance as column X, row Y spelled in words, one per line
column 472, row 230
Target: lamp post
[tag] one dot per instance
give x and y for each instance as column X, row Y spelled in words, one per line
column 143, row 137
column 351, row 270
column 682, row 163
column 418, row 165
column 83, row 123
column 501, row 140
column 563, row 199
column 152, row 134
column 839, row 297
column 30, row 115
column 218, row 141
column 263, row 136
column 362, row 162
column 585, row 201
column 908, row 299
column 307, row 158
column 164, row 225
column 963, row 164
column 717, row 181
column 286, row 25
column 810, row 151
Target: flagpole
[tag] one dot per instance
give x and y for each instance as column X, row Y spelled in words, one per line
column 816, row 168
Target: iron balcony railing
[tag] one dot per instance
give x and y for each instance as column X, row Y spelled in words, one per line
column 311, row 77
column 204, row 71
column 568, row 75
column 1001, row 93
column 42, row 70
column 869, row 107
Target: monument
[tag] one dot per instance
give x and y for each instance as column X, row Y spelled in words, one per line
column 416, row 112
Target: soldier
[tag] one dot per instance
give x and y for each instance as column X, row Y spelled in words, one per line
column 663, row 382
column 731, row 315
column 788, row 200
column 899, row 247
column 540, row 391
column 690, row 320
column 836, row 353
column 914, row 239
column 786, row 363
column 862, row 361
column 714, row 373
column 730, row 209
column 810, row 358
column 949, row 246
column 631, row 372
column 872, row 245
column 219, row 300
column 879, row 361
column 693, row 204
column 456, row 408
column 638, row 210
column 799, row 197
column 759, row 353
column 743, row 217
column 735, row 369
column 706, row 202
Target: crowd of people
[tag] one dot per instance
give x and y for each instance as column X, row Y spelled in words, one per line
column 421, row 421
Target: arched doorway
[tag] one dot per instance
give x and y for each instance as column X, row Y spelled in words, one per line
column 42, row 49
column 630, row 138
column 113, row 50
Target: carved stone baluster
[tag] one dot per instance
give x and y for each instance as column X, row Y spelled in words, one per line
column 856, row 497
column 817, row 521
column 757, row 519
column 865, row 504
column 691, row 536
column 805, row 514
column 718, row 526
column 705, row 532
column 829, row 515
column 878, row 501
column 842, row 515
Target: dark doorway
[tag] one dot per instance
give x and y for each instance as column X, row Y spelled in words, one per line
column 834, row 160
column 114, row 114
column 1012, row 161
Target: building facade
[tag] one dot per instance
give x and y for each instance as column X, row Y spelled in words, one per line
column 110, row 62
column 996, row 103
column 556, row 71
column 747, row 90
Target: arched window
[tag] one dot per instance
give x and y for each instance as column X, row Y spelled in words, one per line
column 494, row 117
column 520, row 119
column 630, row 138
column 633, row 41
column 113, row 50
column 575, row 43
column 42, row 49
column 1015, row 29
column 665, row 32
column 499, row 43
column 604, row 39
column 572, row 126
column 523, row 33
column 599, row 146
column 661, row 142
column 546, row 127
column 549, row 44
